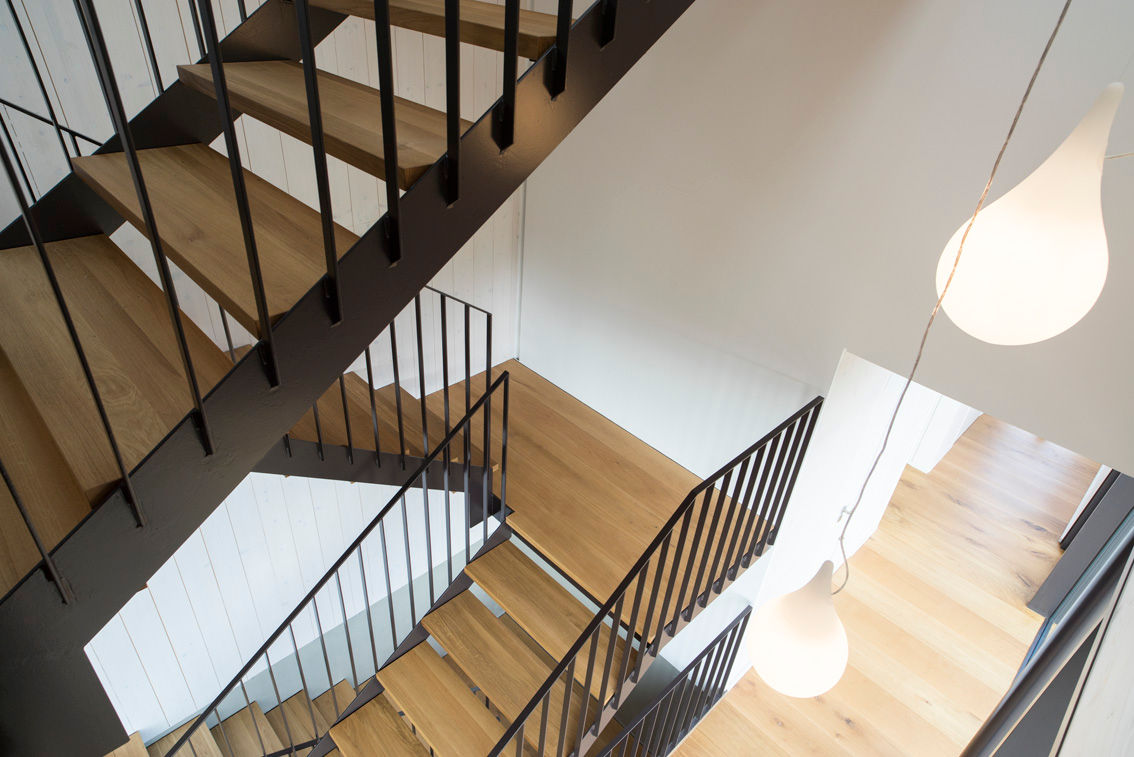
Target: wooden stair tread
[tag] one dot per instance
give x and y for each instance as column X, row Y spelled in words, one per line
column 376, row 728
column 275, row 93
column 245, row 731
column 326, row 702
column 202, row 741
column 132, row 748
column 439, row 704
column 190, row 188
column 298, row 717
column 542, row 607
column 506, row 664
column 482, row 23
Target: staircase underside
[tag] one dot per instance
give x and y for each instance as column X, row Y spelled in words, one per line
column 107, row 558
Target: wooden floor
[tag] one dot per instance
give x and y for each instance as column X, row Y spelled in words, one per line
column 935, row 609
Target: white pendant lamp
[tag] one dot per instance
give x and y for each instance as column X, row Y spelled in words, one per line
column 1035, row 261
column 797, row 643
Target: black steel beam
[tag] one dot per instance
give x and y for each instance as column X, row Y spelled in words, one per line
column 43, row 671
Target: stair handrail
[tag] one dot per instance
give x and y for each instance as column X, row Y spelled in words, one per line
column 803, row 419
column 501, row 383
column 712, row 676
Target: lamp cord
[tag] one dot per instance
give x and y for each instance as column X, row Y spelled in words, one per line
column 850, row 512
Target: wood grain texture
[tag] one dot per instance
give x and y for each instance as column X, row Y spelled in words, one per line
column 299, row 717
column 274, row 92
column 248, row 733
column 935, row 609
column 436, row 700
column 190, row 188
column 332, row 704
column 376, row 728
column 541, row 606
column 132, row 748
column 201, row 744
column 482, row 23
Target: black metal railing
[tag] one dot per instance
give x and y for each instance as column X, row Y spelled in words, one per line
column 339, row 630
column 684, row 701
column 725, row 523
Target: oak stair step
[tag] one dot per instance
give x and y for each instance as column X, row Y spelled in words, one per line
column 482, row 24
column 201, row 744
column 506, row 664
column 246, row 733
column 543, row 608
column 439, row 704
column 275, row 93
column 298, row 717
column 190, row 188
column 332, row 703
column 132, row 748
column 376, row 728
column 51, row 438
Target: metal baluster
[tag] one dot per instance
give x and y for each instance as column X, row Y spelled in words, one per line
column 568, row 694
column 318, row 431
column 727, row 529
column 302, row 681
column 504, row 450
column 346, row 629
column 128, row 492
column 544, row 707
column 732, row 563
column 811, row 419
column 629, row 645
column 670, row 706
column 369, row 617
column 346, row 419
column 332, row 289
column 256, row 725
column 148, row 43
column 609, row 22
column 452, row 171
column 687, row 572
column 48, row 563
column 227, row 333
column 389, row 590
column 409, row 562
column 42, row 87
column 446, row 457
column 398, row 393
column 644, row 643
column 23, row 173
column 224, row 112
column 752, row 524
column 616, row 619
column 777, row 506
column 487, row 420
column 223, row 730
column 428, row 537
column 373, row 406
column 421, row 375
column 587, row 681
column 466, row 474
column 279, row 703
column 663, row 623
column 326, row 657
column 769, row 504
column 389, row 127
column 243, row 10
column 520, row 741
column 197, row 28
column 558, row 70
column 504, row 116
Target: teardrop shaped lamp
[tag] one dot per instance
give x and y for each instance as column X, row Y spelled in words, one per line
column 1036, row 259
column 797, row 643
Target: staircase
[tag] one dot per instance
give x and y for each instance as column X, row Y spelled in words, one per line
column 124, row 424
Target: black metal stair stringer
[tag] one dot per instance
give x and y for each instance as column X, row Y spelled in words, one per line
column 44, row 670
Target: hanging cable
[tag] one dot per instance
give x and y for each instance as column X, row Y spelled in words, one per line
column 850, row 512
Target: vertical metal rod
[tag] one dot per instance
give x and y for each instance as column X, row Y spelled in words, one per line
column 197, row 28
column 346, row 629
column 227, row 333
column 752, row 524
column 520, row 741
column 487, row 419
column 244, row 211
column 544, row 707
column 452, row 172
column 398, row 393
column 709, row 536
column 644, row 643
column 812, row 418
column 445, row 360
column 504, row 117
column 763, row 497
column 672, row 706
column 346, row 419
column 592, row 653
column 744, row 515
column 223, row 730
column 728, row 529
column 628, row 647
column 504, row 450
column 769, row 504
column 616, row 621
column 248, row 704
column 318, row 431
column 42, row 87
column 687, row 571
column 88, row 374
column 778, row 499
column 332, row 288
column 389, row 127
column 148, row 43
column 446, row 457
column 373, row 406
column 279, row 703
column 302, row 682
column 326, row 657
column 243, row 10
column 609, row 22
column 428, row 537
column 663, row 621
column 19, row 163
column 389, row 590
column 287, row 444
column 558, row 71
column 409, row 562
column 48, row 563
column 366, row 603
column 466, row 475
column 568, row 694
column 421, row 375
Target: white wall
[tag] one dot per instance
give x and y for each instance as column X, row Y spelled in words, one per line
column 947, row 422
column 774, row 182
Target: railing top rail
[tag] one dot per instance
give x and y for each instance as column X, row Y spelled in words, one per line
column 643, row 561
column 411, row 480
column 680, row 677
column 32, row 114
column 456, row 299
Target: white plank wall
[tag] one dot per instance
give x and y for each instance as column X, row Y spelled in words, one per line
column 485, row 272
